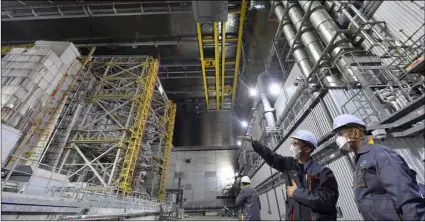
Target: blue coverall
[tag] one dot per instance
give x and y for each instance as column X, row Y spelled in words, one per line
column 317, row 192
column 385, row 188
column 249, row 201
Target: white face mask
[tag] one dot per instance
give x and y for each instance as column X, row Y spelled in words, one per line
column 295, row 151
column 343, row 143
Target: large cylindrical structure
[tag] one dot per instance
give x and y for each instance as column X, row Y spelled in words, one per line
column 301, row 57
column 309, row 37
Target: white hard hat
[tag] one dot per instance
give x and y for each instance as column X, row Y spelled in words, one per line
column 345, row 119
column 245, row 179
column 305, row 135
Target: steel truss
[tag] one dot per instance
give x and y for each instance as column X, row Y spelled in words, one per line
column 114, row 135
column 98, row 9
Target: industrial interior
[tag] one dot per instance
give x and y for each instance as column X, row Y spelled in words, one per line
column 130, row 110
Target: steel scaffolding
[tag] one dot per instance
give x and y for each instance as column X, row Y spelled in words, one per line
column 112, row 131
column 169, row 120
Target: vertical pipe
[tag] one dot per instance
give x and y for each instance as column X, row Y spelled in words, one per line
column 239, row 48
column 201, row 54
column 223, row 59
column 301, row 57
column 217, row 67
column 309, row 38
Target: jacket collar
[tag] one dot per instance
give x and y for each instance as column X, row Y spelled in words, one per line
column 364, row 147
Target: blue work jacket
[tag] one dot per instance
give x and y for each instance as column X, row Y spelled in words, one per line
column 250, row 203
column 317, row 192
column 385, row 188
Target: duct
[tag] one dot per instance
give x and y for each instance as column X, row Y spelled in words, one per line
column 309, row 38
column 291, row 102
column 268, row 110
column 300, row 55
column 328, row 31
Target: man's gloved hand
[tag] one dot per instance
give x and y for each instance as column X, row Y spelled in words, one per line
column 247, row 138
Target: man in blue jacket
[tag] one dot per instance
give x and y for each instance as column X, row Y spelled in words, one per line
column 313, row 191
column 385, row 188
column 249, row 201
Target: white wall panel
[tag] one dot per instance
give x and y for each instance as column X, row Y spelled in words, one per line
column 274, row 210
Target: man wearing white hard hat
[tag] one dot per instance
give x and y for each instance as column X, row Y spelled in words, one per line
column 249, row 201
column 313, row 191
column 385, row 188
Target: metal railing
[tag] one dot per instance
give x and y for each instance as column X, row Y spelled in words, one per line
column 88, row 194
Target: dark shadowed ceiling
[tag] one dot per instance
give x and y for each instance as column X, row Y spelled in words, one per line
column 166, row 30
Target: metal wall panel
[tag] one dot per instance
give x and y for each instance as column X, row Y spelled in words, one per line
column 344, row 176
column 402, row 18
column 281, row 198
column 261, row 175
column 274, row 211
column 9, row 138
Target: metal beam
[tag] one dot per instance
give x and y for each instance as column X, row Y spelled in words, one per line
column 217, row 66
column 104, row 9
column 239, row 48
column 201, row 54
column 223, row 59
column 203, row 148
column 89, row 164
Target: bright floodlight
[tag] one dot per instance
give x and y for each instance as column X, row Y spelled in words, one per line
column 259, row 6
column 239, row 143
column 252, row 92
column 274, row 89
column 244, row 124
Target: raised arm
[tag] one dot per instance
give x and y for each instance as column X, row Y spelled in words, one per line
column 274, row 160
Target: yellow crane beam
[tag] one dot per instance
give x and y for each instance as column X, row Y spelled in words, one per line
column 223, row 60
column 167, row 152
column 217, row 67
column 201, row 54
column 239, row 48
column 143, row 102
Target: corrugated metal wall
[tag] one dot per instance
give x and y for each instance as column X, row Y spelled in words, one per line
column 403, row 18
column 344, row 176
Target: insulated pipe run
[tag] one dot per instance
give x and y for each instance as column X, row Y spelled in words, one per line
column 309, row 37
column 268, row 110
column 301, row 57
column 324, row 24
column 327, row 28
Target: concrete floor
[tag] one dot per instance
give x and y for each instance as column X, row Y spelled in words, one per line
column 210, row 218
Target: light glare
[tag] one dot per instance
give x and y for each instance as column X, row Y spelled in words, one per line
column 252, row 92
column 244, row 124
column 239, row 143
column 274, row 89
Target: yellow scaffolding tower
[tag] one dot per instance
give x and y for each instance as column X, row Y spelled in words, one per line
column 170, row 118
column 143, row 100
